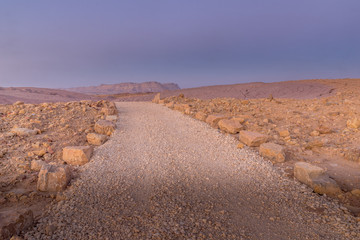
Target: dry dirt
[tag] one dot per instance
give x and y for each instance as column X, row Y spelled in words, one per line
column 57, row 125
column 318, row 131
column 164, row 175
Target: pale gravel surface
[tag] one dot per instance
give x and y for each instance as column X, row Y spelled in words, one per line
column 164, row 175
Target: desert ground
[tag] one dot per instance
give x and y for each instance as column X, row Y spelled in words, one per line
column 245, row 161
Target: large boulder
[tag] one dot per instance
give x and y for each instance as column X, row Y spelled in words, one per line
column 77, row 155
column 104, row 127
column 96, row 139
column 214, row 119
column 252, row 139
column 53, row 178
column 24, row 131
column 230, row 125
column 272, row 151
column 316, row 178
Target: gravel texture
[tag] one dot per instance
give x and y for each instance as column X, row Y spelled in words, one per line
column 163, row 175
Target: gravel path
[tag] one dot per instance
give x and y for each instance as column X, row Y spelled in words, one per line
column 164, row 175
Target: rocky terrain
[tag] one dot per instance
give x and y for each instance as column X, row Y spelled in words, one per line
column 145, row 87
column 164, row 175
column 39, row 95
column 322, row 131
column 32, row 139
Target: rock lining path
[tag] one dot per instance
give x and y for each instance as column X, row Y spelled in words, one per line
column 164, row 175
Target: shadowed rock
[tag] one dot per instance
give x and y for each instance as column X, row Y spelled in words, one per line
column 53, row 178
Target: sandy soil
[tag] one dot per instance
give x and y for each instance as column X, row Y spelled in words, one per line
column 163, row 175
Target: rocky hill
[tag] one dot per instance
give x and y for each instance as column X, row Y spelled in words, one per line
column 39, row 95
column 126, row 88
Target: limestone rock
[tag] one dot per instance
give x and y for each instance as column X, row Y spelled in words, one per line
column 156, row 98
column 108, row 111
column 112, row 118
column 316, row 178
column 283, row 132
column 104, row 127
column 36, row 165
column 201, row 116
column 15, row 222
column 77, row 155
column 353, row 123
column 272, row 151
column 306, row 172
column 230, row 125
column 326, row 185
column 23, row 131
column 214, row 119
column 170, row 104
column 53, row 178
column 96, row 139
column 356, row 192
column 252, row 139
column 17, row 103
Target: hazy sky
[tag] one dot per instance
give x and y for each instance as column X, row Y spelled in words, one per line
column 193, row 43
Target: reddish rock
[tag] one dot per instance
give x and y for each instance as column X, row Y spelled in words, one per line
column 53, row 178
column 77, row 155
column 104, row 127
column 272, row 151
column 230, row 125
column 252, row 139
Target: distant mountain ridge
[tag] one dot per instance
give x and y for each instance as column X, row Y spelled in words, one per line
column 125, row 88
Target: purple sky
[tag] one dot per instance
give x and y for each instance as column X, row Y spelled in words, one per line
column 193, row 43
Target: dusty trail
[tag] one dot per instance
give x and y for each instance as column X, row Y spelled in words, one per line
column 164, row 175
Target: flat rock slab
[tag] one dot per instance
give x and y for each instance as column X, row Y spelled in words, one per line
column 24, row 131
column 168, row 176
column 252, row 139
column 230, row 125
